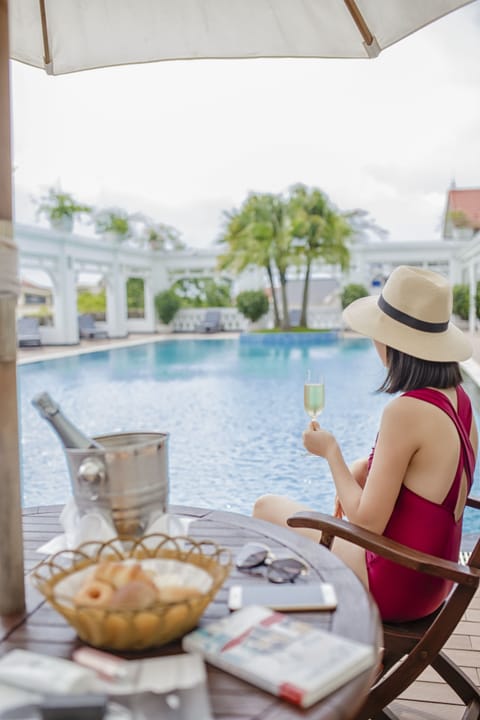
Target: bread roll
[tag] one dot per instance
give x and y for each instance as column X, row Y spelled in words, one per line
column 119, row 574
column 134, row 595
column 94, row 593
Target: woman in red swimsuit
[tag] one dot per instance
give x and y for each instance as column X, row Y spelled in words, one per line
column 414, row 485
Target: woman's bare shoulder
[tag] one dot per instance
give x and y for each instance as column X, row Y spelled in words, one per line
column 401, row 405
column 408, row 415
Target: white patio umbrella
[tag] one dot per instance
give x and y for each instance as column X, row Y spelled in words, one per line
column 64, row 36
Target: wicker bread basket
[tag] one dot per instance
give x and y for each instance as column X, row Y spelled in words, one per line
column 116, row 629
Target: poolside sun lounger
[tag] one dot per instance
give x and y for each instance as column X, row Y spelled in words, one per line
column 211, row 322
column 28, row 331
column 88, row 329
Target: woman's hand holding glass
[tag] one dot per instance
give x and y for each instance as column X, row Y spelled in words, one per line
column 318, row 441
column 314, row 402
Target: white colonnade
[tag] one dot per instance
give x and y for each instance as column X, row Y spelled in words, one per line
column 63, row 256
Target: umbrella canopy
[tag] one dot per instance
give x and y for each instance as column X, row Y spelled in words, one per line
column 64, row 36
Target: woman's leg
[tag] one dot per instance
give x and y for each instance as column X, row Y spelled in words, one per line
column 353, row 556
column 278, row 508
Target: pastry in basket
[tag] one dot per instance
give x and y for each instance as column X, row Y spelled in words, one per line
column 144, row 598
column 126, row 586
column 119, row 586
column 118, row 574
column 94, row 593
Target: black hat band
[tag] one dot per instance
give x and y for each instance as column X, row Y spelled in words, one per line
column 410, row 321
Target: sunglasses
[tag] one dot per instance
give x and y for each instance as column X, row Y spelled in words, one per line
column 254, row 557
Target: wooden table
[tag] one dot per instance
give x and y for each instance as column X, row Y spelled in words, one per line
column 43, row 630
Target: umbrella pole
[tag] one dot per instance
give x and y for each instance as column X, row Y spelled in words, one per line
column 12, row 587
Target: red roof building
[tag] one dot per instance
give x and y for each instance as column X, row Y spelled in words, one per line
column 462, row 214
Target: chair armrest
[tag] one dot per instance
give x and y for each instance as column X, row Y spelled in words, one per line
column 473, row 502
column 389, row 549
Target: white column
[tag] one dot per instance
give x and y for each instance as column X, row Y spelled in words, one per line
column 454, row 271
column 149, row 306
column 117, row 300
column 65, row 330
column 472, row 320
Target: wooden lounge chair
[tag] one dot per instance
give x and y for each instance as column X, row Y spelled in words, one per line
column 88, row 329
column 416, row 644
column 211, row 322
column 28, row 331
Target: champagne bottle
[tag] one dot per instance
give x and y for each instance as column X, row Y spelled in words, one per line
column 69, row 434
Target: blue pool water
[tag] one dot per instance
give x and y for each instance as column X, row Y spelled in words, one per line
column 234, row 413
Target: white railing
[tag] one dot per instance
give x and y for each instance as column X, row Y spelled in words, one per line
column 326, row 318
column 188, row 319
column 319, row 318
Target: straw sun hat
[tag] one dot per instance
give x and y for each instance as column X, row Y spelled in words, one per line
column 412, row 315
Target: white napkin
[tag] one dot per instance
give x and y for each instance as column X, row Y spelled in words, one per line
column 24, row 675
column 97, row 525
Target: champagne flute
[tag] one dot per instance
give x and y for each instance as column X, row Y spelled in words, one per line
column 313, row 394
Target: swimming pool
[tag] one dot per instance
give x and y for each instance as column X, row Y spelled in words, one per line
column 234, row 412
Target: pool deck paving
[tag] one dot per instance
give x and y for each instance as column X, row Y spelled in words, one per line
column 429, row 698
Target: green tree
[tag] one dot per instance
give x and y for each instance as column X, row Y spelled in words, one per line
column 203, row 292
column 352, row 292
column 88, row 302
column 461, row 301
column 319, row 231
column 363, row 225
column 190, row 292
column 135, row 294
column 252, row 303
column 218, row 293
column 167, row 304
column 259, row 233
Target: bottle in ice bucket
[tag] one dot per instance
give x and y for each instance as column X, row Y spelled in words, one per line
column 70, row 435
column 124, row 474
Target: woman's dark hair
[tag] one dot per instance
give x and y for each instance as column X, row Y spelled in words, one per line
column 405, row 372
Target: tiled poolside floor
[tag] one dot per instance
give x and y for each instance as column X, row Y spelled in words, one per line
column 427, row 699
column 430, row 698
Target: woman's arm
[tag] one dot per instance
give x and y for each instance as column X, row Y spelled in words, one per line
column 359, row 470
column 371, row 506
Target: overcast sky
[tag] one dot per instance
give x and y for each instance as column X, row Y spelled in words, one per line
column 184, row 141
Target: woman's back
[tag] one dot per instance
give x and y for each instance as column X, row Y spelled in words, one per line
column 428, row 511
column 433, row 466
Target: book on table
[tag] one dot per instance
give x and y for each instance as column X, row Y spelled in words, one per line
column 287, row 657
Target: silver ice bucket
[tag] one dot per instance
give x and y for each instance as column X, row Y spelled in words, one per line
column 127, row 477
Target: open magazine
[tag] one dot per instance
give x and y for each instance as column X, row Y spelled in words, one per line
column 280, row 654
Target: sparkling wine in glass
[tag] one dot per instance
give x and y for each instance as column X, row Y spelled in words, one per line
column 313, row 394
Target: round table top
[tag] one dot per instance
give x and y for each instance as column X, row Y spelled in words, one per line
column 356, row 616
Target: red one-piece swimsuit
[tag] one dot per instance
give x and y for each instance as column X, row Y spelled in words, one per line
column 401, row 593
